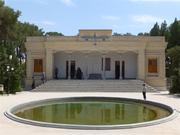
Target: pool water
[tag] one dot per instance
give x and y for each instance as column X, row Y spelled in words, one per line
column 93, row 112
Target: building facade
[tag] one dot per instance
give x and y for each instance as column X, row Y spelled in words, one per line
column 99, row 55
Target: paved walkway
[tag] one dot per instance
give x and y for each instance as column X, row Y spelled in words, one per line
column 9, row 127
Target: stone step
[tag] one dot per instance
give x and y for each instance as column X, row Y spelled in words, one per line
column 91, row 86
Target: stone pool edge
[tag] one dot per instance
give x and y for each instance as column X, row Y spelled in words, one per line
column 11, row 116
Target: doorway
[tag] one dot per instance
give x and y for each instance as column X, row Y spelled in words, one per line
column 123, row 70
column 117, row 69
column 72, row 66
column 73, row 69
column 67, row 69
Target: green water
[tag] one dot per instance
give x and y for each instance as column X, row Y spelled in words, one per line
column 93, row 113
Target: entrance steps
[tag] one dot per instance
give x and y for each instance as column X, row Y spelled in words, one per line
column 91, row 86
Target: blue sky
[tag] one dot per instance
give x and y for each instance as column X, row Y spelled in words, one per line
column 67, row 16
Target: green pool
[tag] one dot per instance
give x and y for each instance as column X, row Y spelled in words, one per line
column 91, row 113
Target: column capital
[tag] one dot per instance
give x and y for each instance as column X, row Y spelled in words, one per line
column 142, row 50
column 49, row 52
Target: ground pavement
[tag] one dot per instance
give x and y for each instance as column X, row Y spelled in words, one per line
column 9, row 127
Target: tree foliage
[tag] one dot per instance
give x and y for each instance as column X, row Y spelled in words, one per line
column 8, row 19
column 163, row 28
column 174, row 68
column 54, row 34
column 143, row 34
column 117, row 34
column 26, row 29
column 174, row 34
column 12, row 38
column 10, row 77
column 155, row 31
column 22, row 30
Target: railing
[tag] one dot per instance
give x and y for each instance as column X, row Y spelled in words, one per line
column 169, row 83
column 150, row 88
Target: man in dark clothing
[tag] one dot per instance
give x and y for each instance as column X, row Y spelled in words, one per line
column 33, row 83
column 144, row 91
column 56, row 73
column 79, row 74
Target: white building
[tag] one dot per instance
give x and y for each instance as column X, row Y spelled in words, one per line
column 99, row 55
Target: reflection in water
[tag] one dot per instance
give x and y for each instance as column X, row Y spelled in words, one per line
column 93, row 113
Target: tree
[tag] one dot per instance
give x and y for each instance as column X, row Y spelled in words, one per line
column 128, row 34
column 54, row 34
column 143, row 34
column 164, row 31
column 22, row 30
column 8, row 19
column 12, row 39
column 174, row 68
column 174, row 35
column 155, row 31
column 163, row 28
column 117, row 34
column 11, row 71
column 26, row 29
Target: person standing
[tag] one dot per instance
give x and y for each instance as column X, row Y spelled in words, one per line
column 79, row 73
column 144, row 91
column 33, row 86
column 43, row 77
column 56, row 73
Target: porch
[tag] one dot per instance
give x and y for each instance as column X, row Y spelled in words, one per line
column 95, row 65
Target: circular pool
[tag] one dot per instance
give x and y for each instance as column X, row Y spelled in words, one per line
column 91, row 113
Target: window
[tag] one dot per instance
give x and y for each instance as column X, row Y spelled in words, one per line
column 152, row 65
column 107, row 64
column 38, row 65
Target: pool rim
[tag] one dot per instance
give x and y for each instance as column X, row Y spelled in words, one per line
column 9, row 114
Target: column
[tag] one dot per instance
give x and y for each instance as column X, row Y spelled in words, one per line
column 104, row 71
column 49, row 64
column 141, row 64
column 120, row 72
column 86, row 70
column 120, row 68
column 69, row 65
column 162, row 65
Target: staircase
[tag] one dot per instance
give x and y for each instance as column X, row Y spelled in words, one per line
column 91, row 86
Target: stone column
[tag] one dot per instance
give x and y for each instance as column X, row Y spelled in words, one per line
column 161, row 65
column 49, row 64
column 69, row 64
column 86, row 70
column 120, row 68
column 141, row 64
